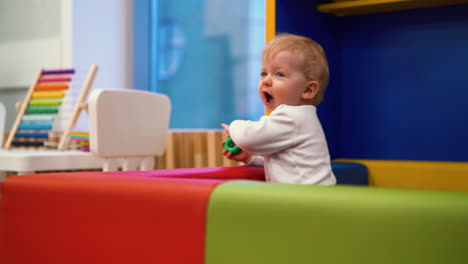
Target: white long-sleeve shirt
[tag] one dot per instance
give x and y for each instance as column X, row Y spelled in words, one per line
column 289, row 143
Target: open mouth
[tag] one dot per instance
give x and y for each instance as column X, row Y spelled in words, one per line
column 268, row 97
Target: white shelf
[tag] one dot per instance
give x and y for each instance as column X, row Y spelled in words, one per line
column 360, row 7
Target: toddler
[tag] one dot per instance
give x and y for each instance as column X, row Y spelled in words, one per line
column 289, row 142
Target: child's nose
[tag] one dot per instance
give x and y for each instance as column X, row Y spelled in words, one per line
column 266, row 81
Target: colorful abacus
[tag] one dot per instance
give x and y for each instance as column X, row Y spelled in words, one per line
column 34, row 125
column 82, row 139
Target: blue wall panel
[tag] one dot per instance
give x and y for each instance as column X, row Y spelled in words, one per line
column 399, row 85
column 404, row 85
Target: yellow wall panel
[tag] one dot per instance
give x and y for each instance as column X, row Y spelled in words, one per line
column 452, row 176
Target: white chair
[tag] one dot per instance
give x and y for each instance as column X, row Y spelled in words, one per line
column 128, row 124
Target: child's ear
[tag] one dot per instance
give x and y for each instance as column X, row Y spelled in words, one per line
column 311, row 90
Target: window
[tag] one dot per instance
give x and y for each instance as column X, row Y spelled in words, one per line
column 206, row 56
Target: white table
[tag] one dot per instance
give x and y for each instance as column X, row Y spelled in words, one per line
column 31, row 161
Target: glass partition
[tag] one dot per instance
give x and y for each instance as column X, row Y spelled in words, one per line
column 206, row 56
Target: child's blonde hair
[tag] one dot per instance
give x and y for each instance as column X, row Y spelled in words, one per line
column 314, row 62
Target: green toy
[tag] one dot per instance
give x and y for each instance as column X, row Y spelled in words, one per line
column 231, row 146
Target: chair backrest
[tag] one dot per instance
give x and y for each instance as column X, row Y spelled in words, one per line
column 128, row 124
column 2, row 123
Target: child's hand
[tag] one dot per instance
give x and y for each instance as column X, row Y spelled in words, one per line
column 241, row 156
column 226, row 128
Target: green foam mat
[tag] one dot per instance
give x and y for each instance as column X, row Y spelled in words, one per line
column 254, row 222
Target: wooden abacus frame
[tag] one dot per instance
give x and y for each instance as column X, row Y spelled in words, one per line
column 80, row 105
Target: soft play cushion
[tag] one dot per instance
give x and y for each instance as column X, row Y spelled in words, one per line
column 350, row 173
column 253, row 222
column 345, row 172
column 95, row 217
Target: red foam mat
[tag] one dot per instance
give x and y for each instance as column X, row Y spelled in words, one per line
column 95, row 217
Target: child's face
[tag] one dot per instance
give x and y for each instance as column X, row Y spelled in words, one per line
column 282, row 81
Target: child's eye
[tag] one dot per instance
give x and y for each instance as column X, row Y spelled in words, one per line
column 280, row 74
column 263, row 74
